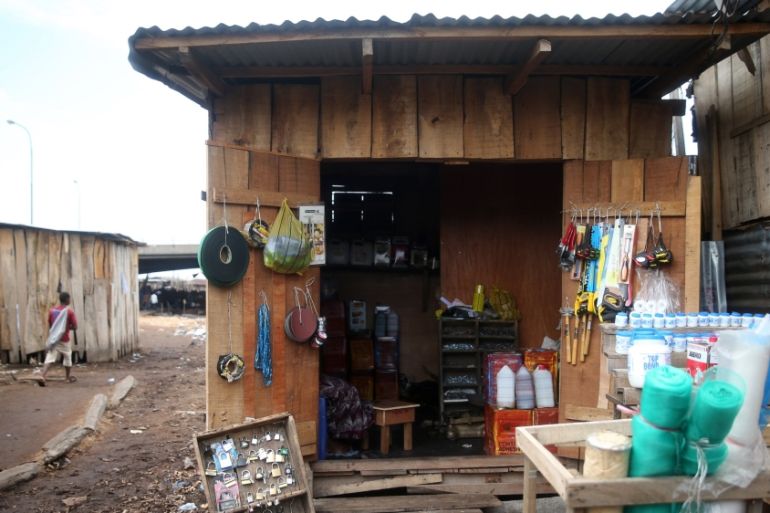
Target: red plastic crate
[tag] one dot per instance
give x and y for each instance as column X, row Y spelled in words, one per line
column 493, row 362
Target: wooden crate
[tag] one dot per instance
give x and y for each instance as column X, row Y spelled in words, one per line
column 578, row 492
column 297, row 497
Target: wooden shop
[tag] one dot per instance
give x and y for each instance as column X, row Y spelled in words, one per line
column 426, row 172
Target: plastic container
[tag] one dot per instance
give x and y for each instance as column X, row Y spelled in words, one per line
column 714, row 320
column 647, row 353
column 659, row 321
column 525, row 389
column 735, row 320
column 635, row 320
column 543, row 387
column 681, row 320
column 670, row 321
column 647, row 320
column 692, row 320
column 669, row 336
column 679, row 343
column 746, row 320
column 724, row 320
column 623, row 341
column 621, row 320
column 703, row 320
column 506, row 383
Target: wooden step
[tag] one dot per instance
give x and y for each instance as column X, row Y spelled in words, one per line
column 454, row 502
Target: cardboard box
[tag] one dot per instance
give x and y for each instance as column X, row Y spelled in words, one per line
column 549, row 358
column 361, row 354
column 364, row 383
column 357, row 316
column 543, row 416
column 492, row 364
column 337, row 252
column 698, row 359
column 361, row 253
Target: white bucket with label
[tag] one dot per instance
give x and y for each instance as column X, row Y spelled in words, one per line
column 646, row 354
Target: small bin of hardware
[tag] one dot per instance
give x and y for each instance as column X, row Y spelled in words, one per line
column 254, row 466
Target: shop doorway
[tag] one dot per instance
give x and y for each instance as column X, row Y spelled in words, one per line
column 401, row 235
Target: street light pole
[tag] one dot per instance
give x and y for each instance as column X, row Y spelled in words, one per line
column 31, row 172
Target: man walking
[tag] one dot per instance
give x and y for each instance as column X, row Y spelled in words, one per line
column 63, row 346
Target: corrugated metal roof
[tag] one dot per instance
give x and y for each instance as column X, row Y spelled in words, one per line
column 115, row 237
column 708, row 6
column 230, row 50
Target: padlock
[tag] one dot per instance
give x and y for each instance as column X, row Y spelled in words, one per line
column 260, row 494
column 276, row 472
column 244, row 443
column 282, row 483
column 241, row 461
column 249, row 497
column 279, row 457
column 273, row 489
column 267, row 437
column 229, row 479
column 270, row 456
column 225, row 461
column 211, row 469
column 253, row 456
column 227, row 444
column 262, row 453
column 246, row 478
column 283, row 450
column 288, row 470
column 254, row 439
column 278, row 437
column 289, row 479
column 260, row 474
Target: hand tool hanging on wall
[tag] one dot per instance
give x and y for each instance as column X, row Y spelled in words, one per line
column 662, row 254
column 257, row 230
column 566, row 315
column 566, row 248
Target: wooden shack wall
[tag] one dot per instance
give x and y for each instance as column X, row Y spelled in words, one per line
column 738, row 138
column 267, row 140
column 100, row 274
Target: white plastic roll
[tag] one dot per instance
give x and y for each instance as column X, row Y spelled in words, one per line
column 725, row 507
column 747, row 354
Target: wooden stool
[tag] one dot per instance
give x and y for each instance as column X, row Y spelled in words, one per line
column 391, row 413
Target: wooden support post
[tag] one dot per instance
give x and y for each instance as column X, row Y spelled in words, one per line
column 530, row 487
column 516, row 80
column 712, row 124
column 367, row 64
column 408, row 436
column 692, row 236
column 384, row 439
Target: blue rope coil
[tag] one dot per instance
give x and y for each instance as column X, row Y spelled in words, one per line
column 263, row 359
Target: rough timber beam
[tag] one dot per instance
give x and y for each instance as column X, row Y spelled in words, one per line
column 502, row 33
column 367, row 65
column 212, row 82
column 696, row 64
column 235, row 72
column 516, row 80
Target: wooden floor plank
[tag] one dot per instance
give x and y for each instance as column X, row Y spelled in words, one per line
column 435, row 463
column 397, row 504
column 331, row 489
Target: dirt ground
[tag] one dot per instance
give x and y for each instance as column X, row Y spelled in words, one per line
column 117, row 470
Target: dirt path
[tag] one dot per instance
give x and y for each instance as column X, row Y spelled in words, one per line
column 116, row 470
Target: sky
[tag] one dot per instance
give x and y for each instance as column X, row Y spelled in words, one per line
column 114, row 151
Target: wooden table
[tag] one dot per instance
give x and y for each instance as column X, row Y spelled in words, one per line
column 392, row 413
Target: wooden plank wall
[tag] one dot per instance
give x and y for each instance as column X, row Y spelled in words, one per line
column 500, row 230
column 742, row 103
column 107, row 307
column 615, row 183
column 446, row 117
column 279, row 111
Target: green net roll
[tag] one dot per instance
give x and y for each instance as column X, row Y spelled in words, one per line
column 654, row 451
column 666, row 397
column 716, row 405
column 652, row 508
column 714, row 455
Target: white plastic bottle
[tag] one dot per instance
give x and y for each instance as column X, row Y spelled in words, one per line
column 525, row 392
column 543, row 387
column 506, row 385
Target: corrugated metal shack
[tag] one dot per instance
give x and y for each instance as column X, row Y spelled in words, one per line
column 732, row 104
column 521, row 117
column 99, row 270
